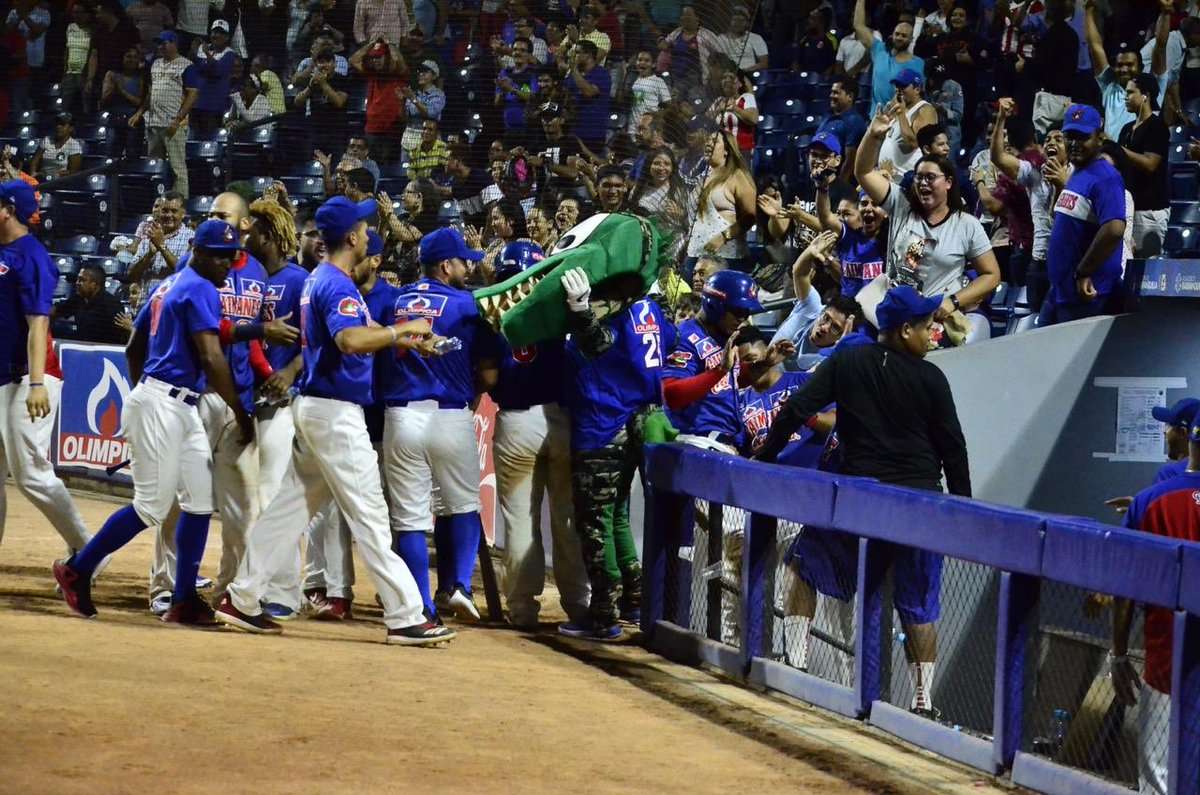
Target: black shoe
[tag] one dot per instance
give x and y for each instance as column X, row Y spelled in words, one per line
column 426, row 633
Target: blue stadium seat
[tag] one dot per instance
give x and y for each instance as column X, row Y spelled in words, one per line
column 1182, row 241
column 141, row 181
column 128, row 224
column 1183, row 182
column 448, row 214
column 819, row 106
column 77, row 245
column 62, row 290
column 29, row 118
column 767, row 159
column 1186, row 213
column 66, row 265
column 110, row 265
column 260, row 184
column 782, row 106
column 309, row 168
column 198, row 206
column 392, row 186
column 305, row 189
column 98, row 137
column 1179, row 134
column 777, row 138
column 1177, row 153
column 206, row 167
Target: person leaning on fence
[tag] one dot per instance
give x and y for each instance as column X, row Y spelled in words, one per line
column 896, row 422
column 1169, row 508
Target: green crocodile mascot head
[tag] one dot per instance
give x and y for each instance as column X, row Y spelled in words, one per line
column 622, row 255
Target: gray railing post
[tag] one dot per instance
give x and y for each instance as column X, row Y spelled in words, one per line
column 1016, row 619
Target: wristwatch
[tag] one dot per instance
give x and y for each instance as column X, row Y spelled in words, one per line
column 954, row 300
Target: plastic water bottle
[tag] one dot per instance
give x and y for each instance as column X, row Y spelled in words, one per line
column 1058, row 729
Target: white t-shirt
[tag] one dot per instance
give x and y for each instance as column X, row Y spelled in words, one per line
column 931, row 258
column 1041, row 205
column 745, row 50
column 54, row 158
column 850, row 52
column 891, row 149
column 649, row 94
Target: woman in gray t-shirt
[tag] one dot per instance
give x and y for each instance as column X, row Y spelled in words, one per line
column 932, row 239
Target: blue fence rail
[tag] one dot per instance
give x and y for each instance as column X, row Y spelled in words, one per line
column 1026, row 550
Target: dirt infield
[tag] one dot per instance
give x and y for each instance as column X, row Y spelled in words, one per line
column 123, row 704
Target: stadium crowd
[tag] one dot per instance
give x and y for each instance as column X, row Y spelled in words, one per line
column 930, row 173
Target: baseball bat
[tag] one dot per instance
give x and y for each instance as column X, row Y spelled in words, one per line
column 491, row 585
column 115, row 468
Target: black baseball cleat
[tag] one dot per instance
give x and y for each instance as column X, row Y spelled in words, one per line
column 259, row 625
column 76, row 589
column 195, row 613
column 426, row 633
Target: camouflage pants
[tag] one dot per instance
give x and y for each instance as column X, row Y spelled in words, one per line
column 600, row 484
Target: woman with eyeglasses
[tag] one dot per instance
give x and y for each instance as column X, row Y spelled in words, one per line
column 933, row 241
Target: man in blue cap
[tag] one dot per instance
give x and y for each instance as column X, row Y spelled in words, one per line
column 174, row 353
column 897, row 422
column 1177, row 420
column 174, row 89
column 910, row 113
column 332, row 456
column 429, row 429
column 31, row 384
column 1083, row 259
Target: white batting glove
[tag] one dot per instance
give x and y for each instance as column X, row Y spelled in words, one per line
column 575, row 285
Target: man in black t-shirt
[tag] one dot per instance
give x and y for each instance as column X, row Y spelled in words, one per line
column 896, row 422
column 461, row 182
column 95, row 310
column 325, row 98
column 1146, row 141
column 551, row 151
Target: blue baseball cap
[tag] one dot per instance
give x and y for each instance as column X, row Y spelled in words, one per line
column 908, row 77
column 902, row 305
column 336, row 217
column 1182, row 413
column 374, row 243
column 1082, row 119
column 216, row 235
column 827, row 140
column 21, row 197
column 167, row 35
column 446, row 243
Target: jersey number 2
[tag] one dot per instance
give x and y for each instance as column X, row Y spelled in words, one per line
column 651, row 342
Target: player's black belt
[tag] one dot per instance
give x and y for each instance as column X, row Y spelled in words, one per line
column 185, row 396
column 723, row 438
column 441, row 404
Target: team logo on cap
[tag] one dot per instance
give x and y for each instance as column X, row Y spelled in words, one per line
column 227, row 234
column 3, row 268
column 525, row 354
column 1077, row 114
column 349, row 307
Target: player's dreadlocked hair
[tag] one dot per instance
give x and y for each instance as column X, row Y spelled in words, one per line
column 279, row 224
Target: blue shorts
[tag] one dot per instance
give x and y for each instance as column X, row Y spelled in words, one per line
column 828, row 561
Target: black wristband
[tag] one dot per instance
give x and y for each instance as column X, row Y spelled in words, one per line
column 244, row 332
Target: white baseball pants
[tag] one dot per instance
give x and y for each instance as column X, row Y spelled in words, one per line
column 169, row 454
column 235, row 475
column 533, row 456
column 431, row 461
column 332, row 457
column 26, row 455
column 330, row 557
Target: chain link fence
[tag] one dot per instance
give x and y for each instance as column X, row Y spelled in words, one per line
column 716, row 603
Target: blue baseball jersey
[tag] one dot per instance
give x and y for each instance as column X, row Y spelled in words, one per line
column 379, row 299
column 283, row 298
column 1171, row 470
column 27, row 281
column 1172, row 509
column 183, row 304
column 605, row 392
column 529, row 376
column 759, row 410
column 1093, row 196
column 862, row 259
column 329, row 303
column 241, row 302
column 448, row 379
column 695, row 352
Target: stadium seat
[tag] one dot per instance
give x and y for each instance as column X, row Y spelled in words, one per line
column 1023, row 323
column 449, row 214
column 29, row 118
column 392, row 186
column 1182, row 241
column 819, row 106
column 1185, row 213
column 781, row 105
column 98, row 137
column 206, row 168
column 767, row 160
column 110, row 265
column 775, row 138
column 1177, row 153
column 309, row 168
column 1179, row 134
column 198, row 206
column 67, row 266
column 62, row 290
column 77, row 245
column 141, row 181
column 128, row 224
column 260, row 184
column 1183, row 182
column 306, row 190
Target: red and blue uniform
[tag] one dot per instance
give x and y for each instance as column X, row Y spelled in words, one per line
column 329, row 303
column 696, row 351
column 1170, row 508
column 449, row 379
column 605, row 392
column 283, row 299
column 27, row 278
column 183, row 304
column 1171, row 470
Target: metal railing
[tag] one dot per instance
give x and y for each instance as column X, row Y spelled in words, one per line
column 1020, row 683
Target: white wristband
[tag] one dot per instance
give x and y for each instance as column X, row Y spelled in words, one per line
column 395, row 335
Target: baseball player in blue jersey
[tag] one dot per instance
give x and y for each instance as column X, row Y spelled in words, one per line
column 235, row 465
column 614, row 369
column 767, row 388
column 429, row 430
column 173, row 355
column 532, row 453
column 30, row 394
column 332, row 455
